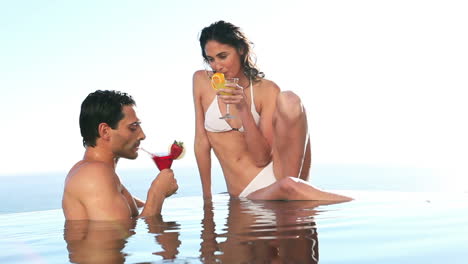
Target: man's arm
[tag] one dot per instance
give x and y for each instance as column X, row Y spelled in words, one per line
column 163, row 186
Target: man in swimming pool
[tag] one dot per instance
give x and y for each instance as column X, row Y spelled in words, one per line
column 111, row 130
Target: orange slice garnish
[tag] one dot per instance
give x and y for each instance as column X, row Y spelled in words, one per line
column 217, row 81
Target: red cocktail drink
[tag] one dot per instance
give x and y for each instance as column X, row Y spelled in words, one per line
column 163, row 161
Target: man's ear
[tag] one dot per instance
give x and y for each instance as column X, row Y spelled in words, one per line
column 104, row 131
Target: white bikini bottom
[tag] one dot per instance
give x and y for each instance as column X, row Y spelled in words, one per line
column 264, row 178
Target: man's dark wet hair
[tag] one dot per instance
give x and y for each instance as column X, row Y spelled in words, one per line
column 101, row 107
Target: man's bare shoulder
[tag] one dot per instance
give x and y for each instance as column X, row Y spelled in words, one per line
column 89, row 174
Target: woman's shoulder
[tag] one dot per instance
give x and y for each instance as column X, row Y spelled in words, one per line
column 201, row 83
column 200, row 74
column 266, row 85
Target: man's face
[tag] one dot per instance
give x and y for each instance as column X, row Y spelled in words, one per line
column 126, row 138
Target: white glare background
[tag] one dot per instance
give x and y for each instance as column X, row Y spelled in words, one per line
column 383, row 81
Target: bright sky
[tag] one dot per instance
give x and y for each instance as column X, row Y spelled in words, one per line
column 383, row 81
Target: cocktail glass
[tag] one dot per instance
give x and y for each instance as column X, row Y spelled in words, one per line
column 162, row 160
column 233, row 82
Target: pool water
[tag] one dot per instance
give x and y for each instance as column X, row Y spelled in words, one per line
column 377, row 227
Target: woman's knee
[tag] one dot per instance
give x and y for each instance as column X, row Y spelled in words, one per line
column 289, row 106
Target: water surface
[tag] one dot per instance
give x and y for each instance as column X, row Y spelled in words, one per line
column 377, row 227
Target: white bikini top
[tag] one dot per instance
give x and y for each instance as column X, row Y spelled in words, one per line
column 214, row 124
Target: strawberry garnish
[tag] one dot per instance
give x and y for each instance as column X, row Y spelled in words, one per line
column 177, row 148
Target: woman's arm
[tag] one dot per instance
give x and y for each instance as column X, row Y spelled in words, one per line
column 202, row 145
column 259, row 138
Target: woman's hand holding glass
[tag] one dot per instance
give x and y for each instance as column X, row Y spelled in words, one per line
column 227, row 91
column 233, row 94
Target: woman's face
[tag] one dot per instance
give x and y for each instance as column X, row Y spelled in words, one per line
column 223, row 58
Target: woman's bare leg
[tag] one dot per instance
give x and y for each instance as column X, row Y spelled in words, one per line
column 291, row 188
column 292, row 156
column 305, row 171
column 290, row 137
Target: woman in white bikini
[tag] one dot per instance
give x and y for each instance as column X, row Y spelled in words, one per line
column 264, row 151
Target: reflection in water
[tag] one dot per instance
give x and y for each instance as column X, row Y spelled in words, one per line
column 167, row 235
column 104, row 241
column 252, row 232
column 261, row 232
column 97, row 241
